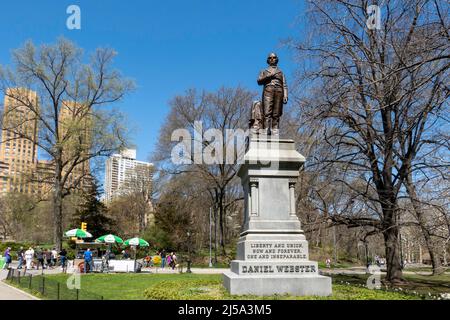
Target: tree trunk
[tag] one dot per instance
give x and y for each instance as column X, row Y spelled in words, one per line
column 391, row 233
column 420, row 214
column 58, row 209
column 394, row 268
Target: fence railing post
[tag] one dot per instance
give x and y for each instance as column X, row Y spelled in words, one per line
column 78, row 294
column 43, row 286
column 18, row 277
column 57, row 290
column 31, row 278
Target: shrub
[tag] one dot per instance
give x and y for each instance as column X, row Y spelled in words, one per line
column 186, row 290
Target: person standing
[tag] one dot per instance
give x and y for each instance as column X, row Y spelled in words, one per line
column 163, row 258
column 88, row 261
column 29, row 255
column 62, row 257
column 20, row 257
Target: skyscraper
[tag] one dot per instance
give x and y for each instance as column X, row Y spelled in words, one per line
column 122, row 170
column 20, row 170
column 76, row 128
column 18, row 150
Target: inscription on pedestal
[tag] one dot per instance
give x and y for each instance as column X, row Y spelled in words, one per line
column 276, row 251
column 300, row 268
column 286, row 269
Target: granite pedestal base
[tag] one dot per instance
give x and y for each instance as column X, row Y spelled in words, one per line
column 258, row 285
column 272, row 252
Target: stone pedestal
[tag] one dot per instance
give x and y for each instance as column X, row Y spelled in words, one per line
column 272, row 254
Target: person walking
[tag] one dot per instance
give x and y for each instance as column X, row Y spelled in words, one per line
column 40, row 258
column 62, row 257
column 88, row 261
column 29, row 255
column 8, row 258
column 48, row 258
column 174, row 260
column 54, row 257
column 169, row 260
column 20, row 257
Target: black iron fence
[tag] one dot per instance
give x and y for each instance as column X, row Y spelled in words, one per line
column 47, row 288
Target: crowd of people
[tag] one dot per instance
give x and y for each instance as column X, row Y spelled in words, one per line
column 170, row 260
column 39, row 258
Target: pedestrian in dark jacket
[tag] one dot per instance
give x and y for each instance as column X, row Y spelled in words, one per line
column 40, row 258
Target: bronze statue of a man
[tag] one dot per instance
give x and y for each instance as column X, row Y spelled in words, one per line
column 275, row 94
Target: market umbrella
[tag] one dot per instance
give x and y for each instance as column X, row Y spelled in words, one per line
column 136, row 242
column 109, row 238
column 78, row 233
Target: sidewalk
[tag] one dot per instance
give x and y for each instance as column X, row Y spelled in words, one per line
column 194, row 270
column 362, row 270
column 8, row 292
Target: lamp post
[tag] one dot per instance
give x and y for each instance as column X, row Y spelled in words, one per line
column 188, row 270
column 330, row 221
column 210, row 237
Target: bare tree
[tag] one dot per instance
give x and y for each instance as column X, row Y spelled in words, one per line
column 138, row 189
column 377, row 95
column 72, row 128
column 209, row 118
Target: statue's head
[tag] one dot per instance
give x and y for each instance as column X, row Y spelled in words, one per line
column 272, row 59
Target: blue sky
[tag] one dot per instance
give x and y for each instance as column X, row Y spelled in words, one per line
column 165, row 46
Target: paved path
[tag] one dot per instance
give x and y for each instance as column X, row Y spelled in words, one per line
column 153, row 270
column 362, row 270
column 157, row 270
column 8, row 292
column 194, row 270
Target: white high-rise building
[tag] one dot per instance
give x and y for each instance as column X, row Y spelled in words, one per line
column 124, row 171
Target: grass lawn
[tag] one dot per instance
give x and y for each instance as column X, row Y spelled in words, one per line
column 422, row 284
column 196, row 287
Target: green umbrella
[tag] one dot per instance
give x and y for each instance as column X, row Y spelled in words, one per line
column 136, row 242
column 78, row 233
column 109, row 238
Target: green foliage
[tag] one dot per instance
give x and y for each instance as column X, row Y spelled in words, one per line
column 157, row 237
column 93, row 212
column 15, row 247
column 212, row 289
column 202, row 289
